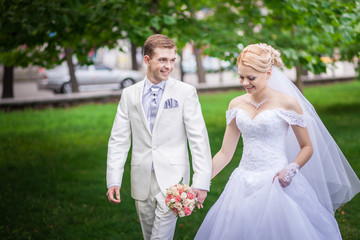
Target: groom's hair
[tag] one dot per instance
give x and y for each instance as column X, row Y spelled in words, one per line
column 157, row 41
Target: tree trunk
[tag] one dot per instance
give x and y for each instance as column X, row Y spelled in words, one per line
column 298, row 81
column 221, row 75
column 73, row 81
column 181, row 68
column 134, row 63
column 8, row 82
column 154, row 11
column 154, row 6
column 200, row 69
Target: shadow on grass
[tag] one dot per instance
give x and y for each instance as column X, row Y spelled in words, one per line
column 343, row 109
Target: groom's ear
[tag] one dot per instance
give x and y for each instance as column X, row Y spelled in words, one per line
column 147, row 59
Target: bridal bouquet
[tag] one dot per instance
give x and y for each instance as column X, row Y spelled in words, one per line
column 180, row 199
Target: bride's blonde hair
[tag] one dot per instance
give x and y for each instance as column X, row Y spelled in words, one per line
column 260, row 57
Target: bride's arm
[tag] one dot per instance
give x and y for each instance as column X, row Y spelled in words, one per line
column 230, row 141
column 306, row 149
column 285, row 175
column 302, row 136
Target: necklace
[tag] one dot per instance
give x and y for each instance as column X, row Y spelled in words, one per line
column 258, row 105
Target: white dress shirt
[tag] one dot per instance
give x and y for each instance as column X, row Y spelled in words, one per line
column 146, row 99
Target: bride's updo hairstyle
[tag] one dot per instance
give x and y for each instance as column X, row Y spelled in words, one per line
column 260, row 57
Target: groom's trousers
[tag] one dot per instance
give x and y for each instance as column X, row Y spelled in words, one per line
column 157, row 222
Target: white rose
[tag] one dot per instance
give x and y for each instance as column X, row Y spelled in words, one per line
column 181, row 213
column 183, row 195
column 186, row 188
column 178, row 206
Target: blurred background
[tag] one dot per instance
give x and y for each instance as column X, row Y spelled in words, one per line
column 318, row 39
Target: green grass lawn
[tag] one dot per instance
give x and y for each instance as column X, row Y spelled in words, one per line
column 53, row 162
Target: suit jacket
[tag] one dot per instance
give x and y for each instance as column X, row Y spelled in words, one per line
column 166, row 148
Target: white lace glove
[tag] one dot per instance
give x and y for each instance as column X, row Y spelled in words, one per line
column 286, row 175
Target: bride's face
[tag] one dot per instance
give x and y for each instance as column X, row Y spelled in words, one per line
column 252, row 80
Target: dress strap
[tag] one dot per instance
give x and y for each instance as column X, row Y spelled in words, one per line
column 230, row 115
column 292, row 117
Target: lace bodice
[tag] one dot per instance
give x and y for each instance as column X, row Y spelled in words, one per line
column 264, row 136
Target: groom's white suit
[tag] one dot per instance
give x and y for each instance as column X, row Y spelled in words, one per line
column 164, row 151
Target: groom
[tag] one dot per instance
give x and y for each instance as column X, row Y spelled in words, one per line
column 159, row 116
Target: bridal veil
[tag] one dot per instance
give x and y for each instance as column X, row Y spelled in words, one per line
column 327, row 171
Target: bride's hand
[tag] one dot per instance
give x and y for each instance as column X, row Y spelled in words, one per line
column 286, row 175
column 200, row 196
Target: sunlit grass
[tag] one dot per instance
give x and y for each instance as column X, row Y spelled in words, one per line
column 53, row 162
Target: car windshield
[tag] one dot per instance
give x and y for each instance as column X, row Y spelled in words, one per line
column 83, row 67
column 102, row 67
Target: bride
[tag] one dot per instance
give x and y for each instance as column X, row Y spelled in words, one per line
column 292, row 176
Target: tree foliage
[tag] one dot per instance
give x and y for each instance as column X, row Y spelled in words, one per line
column 349, row 48
column 303, row 30
column 21, row 33
column 38, row 31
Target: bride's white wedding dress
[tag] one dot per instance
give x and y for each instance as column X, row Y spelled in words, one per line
column 252, row 206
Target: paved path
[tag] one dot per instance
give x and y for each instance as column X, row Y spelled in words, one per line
column 27, row 90
column 28, row 95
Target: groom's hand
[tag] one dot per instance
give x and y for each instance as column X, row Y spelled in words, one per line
column 115, row 190
column 200, row 195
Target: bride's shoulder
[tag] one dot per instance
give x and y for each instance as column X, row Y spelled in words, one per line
column 238, row 102
column 288, row 102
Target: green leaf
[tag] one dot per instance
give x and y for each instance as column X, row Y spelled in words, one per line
column 169, row 20
column 155, row 22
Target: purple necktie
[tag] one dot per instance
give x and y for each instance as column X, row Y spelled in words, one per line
column 153, row 105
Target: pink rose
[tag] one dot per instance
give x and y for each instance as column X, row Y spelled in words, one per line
column 187, row 211
column 168, row 198
column 190, row 195
column 180, row 191
column 178, row 198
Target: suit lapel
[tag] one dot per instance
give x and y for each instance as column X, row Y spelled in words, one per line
column 139, row 105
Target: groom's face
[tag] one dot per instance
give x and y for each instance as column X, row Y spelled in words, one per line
column 160, row 65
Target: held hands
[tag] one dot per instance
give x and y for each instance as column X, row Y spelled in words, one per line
column 114, row 190
column 286, row 175
column 200, row 195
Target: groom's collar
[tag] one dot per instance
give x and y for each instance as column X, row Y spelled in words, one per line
column 148, row 84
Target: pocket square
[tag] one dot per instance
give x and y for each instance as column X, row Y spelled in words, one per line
column 171, row 103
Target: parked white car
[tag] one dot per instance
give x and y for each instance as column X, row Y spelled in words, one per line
column 58, row 79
